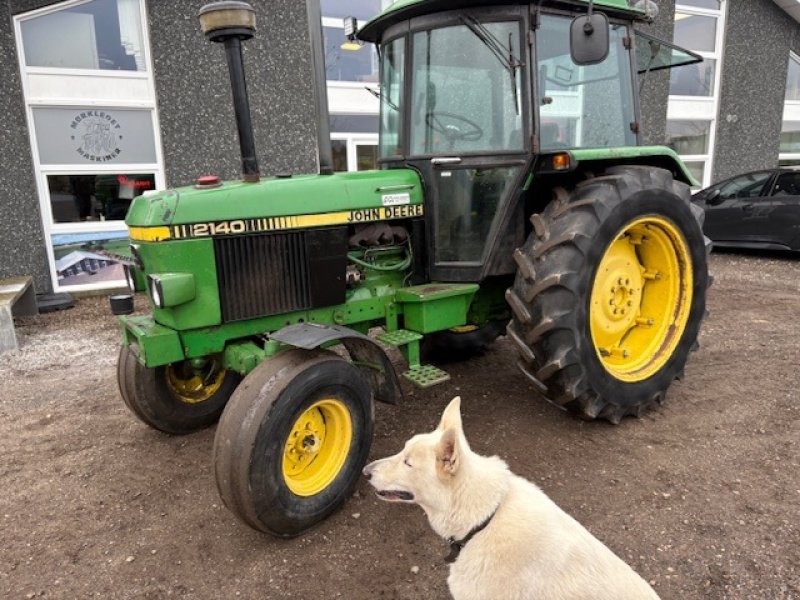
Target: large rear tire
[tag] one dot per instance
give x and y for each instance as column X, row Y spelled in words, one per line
column 292, row 441
column 610, row 292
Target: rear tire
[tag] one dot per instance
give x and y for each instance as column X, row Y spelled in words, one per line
column 610, row 292
column 292, row 441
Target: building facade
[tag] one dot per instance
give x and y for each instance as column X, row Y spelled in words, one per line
column 107, row 99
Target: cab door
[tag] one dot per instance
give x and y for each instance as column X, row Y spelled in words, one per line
column 468, row 136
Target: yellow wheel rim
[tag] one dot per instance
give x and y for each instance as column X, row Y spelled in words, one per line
column 641, row 298
column 192, row 386
column 317, row 447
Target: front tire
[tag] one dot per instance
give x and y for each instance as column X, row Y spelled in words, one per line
column 292, row 441
column 177, row 399
column 610, row 292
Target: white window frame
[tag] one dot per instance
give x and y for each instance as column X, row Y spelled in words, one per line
column 703, row 108
column 66, row 101
column 791, row 112
column 353, row 140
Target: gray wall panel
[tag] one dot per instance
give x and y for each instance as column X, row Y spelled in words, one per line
column 194, row 97
column 757, row 42
column 22, row 243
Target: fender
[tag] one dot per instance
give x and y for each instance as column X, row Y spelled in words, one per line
column 365, row 353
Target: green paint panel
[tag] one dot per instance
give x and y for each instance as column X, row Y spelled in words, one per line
column 399, row 337
column 154, row 344
column 587, row 154
column 243, row 357
column 197, row 259
column 436, row 306
column 426, row 376
column 274, row 197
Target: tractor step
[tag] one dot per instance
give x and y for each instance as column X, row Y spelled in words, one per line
column 400, row 337
column 426, row 376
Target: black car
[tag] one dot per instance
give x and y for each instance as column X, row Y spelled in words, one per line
column 755, row 210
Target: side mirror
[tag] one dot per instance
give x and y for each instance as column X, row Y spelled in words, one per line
column 588, row 39
column 714, row 198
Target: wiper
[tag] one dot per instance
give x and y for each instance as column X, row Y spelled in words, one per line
column 505, row 55
column 382, row 97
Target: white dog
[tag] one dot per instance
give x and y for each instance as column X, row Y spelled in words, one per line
column 508, row 540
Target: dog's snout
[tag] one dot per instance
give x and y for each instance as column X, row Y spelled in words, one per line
column 367, row 471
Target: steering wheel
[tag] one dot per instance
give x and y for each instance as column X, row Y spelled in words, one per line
column 437, row 121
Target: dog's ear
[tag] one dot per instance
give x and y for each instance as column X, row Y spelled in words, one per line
column 451, row 417
column 447, row 453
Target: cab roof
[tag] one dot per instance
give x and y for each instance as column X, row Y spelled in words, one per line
column 407, row 9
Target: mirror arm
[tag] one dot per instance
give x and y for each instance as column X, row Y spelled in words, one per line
column 588, row 28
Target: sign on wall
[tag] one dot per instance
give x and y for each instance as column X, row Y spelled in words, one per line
column 68, row 136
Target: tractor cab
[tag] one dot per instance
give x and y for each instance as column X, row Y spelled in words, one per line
column 480, row 99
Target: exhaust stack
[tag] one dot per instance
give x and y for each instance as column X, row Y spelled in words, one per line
column 231, row 23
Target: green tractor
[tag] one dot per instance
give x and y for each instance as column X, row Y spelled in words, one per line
column 513, row 196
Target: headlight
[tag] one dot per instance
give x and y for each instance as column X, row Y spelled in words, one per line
column 155, row 291
column 137, row 257
column 130, row 278
column 171, row 289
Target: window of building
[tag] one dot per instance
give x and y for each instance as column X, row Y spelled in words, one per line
column 348, row 65
column 793, row 79
column 95, row 197
column 710, row 4
column 363, row 10
column 101, row 34
column 694, row 89
column 95, row 138
column 790, row 133
column 355, row 142
column 688, row 137
column 352, row 85
column 354, row 152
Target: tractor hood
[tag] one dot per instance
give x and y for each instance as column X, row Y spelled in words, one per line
column 276, row 203
column 407, row 9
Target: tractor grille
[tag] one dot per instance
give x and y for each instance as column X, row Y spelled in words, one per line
column 262, row 275
column 275, row 273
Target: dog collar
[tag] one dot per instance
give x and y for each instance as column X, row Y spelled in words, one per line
column 457, row 545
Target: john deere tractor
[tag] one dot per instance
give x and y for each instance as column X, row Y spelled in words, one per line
column 513, row 196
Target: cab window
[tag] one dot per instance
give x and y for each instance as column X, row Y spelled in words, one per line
column 467, row 89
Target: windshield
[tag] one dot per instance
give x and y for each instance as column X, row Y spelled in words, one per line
column 583, row 106
column 466, row 89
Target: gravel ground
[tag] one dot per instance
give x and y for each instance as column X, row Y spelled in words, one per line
column 702, row 496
